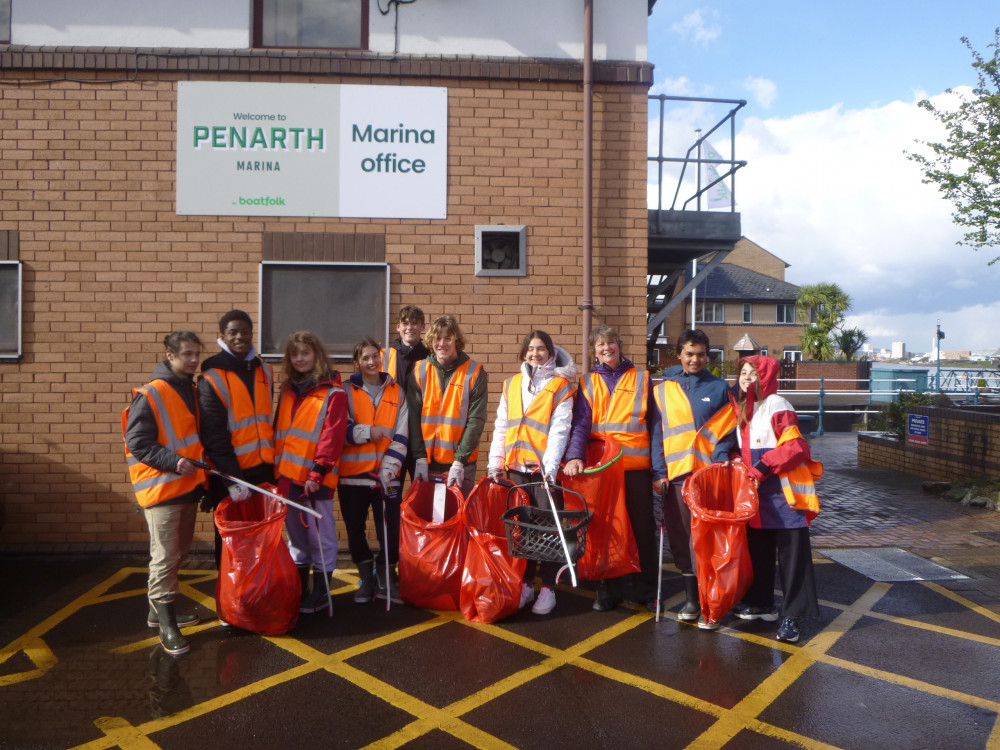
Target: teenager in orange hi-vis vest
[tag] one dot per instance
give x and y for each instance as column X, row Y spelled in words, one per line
column 447, row 398
column 160, row 428
column 309, row 428
column 615, row 399
column 533, row 419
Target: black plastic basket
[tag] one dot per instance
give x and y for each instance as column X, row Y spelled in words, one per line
column 532, row 532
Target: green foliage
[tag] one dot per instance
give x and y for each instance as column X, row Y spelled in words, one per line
column 966, row 168
column 850, row 341
column 891, row 418
column 824, row 306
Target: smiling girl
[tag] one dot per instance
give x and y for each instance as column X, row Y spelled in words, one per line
column 309, row 429
column 536, row 408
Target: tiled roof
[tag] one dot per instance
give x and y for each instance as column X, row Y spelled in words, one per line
column 734, row 282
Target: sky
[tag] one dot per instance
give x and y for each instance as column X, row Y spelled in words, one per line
column 832, row 92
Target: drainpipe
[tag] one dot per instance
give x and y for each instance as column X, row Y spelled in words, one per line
column 587, row 303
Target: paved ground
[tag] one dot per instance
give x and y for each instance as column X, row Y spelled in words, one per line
column 887, row 665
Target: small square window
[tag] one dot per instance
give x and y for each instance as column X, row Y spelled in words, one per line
column 318, row 24
column 501, row 251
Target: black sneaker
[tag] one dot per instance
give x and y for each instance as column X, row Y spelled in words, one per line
column 788, row 631
column 748, row 612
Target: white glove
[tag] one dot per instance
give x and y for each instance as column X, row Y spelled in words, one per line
column 238, row 492
column 456, row 474
column 495, row 474
column 420, row 468
column 386, row 477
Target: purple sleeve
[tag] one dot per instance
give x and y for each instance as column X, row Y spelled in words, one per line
column 580, row 431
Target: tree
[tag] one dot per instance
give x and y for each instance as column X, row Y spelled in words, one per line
column 823, row 306
column 850, row 341
column 966, row 168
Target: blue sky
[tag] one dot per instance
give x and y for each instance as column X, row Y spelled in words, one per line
column 832, row 92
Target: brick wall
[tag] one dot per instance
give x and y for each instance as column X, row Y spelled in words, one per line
column 962, row 443
column 837, row 376
column 109, row 267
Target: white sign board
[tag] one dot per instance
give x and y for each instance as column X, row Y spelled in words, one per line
column 292, row 149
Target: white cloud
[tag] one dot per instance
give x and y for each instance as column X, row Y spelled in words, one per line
column 763, row 91
column 832, row 193
column 673, row 87
column 696, row 27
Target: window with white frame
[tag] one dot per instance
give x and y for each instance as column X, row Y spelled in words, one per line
column 792, row 355
column 10, row 309
column 785, row 313
column 340, row 302
column 711, row 312
column 324, row 24
column 748, row 312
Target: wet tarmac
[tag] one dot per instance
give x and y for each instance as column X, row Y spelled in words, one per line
column 887, row 664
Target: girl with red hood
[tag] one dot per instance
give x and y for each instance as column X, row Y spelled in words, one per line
column 777, row 456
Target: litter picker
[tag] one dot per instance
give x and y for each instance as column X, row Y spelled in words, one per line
column 255, row 488
column 659, row 568
column 558, row 523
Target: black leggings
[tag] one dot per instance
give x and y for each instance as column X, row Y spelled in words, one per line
column 354, row 503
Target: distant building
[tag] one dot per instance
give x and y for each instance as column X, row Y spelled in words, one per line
column 898, row 350
column 744, row 301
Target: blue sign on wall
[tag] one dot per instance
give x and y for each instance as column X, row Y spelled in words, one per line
column 918, row 428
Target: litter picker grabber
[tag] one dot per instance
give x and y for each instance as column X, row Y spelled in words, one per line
column 555, row 515
column 322, row 561
column 255, row 488
column 659, row 568
column 385, row 543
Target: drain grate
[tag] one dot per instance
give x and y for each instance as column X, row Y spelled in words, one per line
column 891, row 565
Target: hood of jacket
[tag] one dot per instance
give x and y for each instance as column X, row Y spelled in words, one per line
column 768, row 369
column 162, row 371
column 564, row 367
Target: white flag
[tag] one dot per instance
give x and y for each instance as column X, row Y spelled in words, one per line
column 718, row 196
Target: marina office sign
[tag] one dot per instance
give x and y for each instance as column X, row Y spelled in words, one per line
column 290, row 149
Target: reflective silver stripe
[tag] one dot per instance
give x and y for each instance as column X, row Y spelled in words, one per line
column 612, row 427
column 669, row 432
column 705, row 458
column 798, row 489
column 222, row 390
column 522, row 444
column 535, row 424
column 679, row 455
column 436, row 442
column 312, row 435
column 639, row 403
column 450, row 421
column 350, row 399
column 173, row 442
column 635, row 451
column 155, row 481
column 564, row 391
column 359, row 457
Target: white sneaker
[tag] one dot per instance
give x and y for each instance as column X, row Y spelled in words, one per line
column 546, row 601
column 527, row 595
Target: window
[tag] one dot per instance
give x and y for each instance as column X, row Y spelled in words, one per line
column 341, row 302
column 4, row 21
column 10, row 309
column 785, row 313
column 501, row 251
column 711, row 312
column 763, row 352
column 336, row 24
column 792, row 355
column 747, row 312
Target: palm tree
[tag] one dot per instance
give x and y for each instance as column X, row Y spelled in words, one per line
column 823, row 306
column 850, row 341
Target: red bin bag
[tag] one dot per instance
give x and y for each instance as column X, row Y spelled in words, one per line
column 722, row 499
column 491, row 577
column 258, row 588
column 611, row 550
column 432, row 544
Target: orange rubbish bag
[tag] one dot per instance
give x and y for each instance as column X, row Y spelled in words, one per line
column 258, row 588
column 432, row 545
column 722, row 499
column 611, row 550
column 491, row 577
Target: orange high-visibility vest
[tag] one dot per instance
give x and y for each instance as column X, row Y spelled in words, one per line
column 799, row 484
column 443, row 416
column 621, row 415
column 527, row 433
column 249, row 419
column 389, row 362
column 296, row 438
column 178, row 431
column 367, row 457
column 686, row 449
